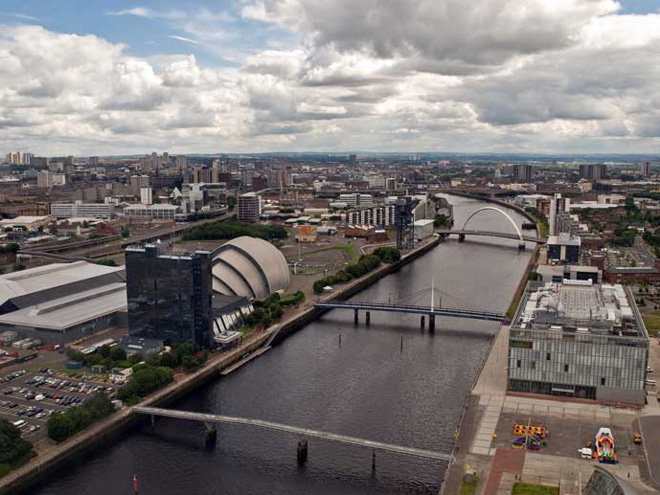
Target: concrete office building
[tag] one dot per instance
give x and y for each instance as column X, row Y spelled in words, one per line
column 577, row 339
column 62, row 302
column 249, row 207
column 80, row 209
column 356, row 199
column 153, row 212
column 169, row 295
column 564, row 248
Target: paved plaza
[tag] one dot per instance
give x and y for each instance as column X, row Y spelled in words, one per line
column 571, row 426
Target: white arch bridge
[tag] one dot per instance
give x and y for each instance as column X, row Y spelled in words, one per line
column 464, row 231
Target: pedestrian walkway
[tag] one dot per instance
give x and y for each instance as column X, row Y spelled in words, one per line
column 507, row 464
column 491, row 387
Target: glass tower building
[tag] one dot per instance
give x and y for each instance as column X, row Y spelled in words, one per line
column 169, row 295
column 579, row 339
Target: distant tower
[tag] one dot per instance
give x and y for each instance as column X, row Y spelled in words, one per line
column 403, row 220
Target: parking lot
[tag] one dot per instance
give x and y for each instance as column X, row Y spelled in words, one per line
column 28, row 399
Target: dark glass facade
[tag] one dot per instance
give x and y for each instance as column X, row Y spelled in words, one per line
column 169, row 296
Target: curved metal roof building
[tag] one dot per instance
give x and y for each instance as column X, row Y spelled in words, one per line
column 249, row 267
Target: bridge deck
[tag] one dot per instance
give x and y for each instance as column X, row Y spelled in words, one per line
column 303, row 432
column 402, row 308
column 485, row 233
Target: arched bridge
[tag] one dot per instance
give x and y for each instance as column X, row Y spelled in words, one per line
column 464, row 231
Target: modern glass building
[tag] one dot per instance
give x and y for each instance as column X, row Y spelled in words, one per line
column 580, row 340
column 169, row 295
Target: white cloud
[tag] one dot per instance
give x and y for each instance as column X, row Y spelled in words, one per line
column 382, row 75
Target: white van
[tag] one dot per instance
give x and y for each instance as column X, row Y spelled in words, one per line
column 19, row 423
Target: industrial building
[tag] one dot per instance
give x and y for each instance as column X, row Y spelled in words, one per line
column 249, row 267
column 579, row 339
column 423, row 229
column 169, row 295
column 62, row 302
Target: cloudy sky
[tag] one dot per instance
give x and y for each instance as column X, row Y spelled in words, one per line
column 329, row 75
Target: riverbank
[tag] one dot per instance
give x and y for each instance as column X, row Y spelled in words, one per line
column 489, row 378
column 45, row 465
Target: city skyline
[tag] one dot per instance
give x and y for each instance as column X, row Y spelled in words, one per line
column 302, row 75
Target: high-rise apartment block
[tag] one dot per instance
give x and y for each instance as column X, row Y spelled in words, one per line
column 593, row 172
column 249, row 207
column 523, row 173
column 47, row 179
column 138, row 182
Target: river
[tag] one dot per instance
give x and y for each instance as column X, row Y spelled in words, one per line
column 370, row 387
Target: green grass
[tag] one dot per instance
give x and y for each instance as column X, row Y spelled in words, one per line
column 652, row 323
column 349, row 249
column 468, row 488
column 525, row 489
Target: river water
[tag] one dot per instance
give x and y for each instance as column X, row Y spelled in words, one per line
column 371, row 386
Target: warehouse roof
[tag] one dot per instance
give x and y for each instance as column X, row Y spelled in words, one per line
column 49, row 277
column 65, row 312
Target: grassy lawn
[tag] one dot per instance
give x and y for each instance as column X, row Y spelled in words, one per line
column 468, row 488
column 652, row 323
column 349, row 249
column 525, row 489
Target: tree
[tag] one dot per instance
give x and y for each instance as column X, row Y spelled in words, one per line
column 135, row 358
column 117, row 354
column 231, row 202
column 169, row 359
column 12, row 447
column 62, row 426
